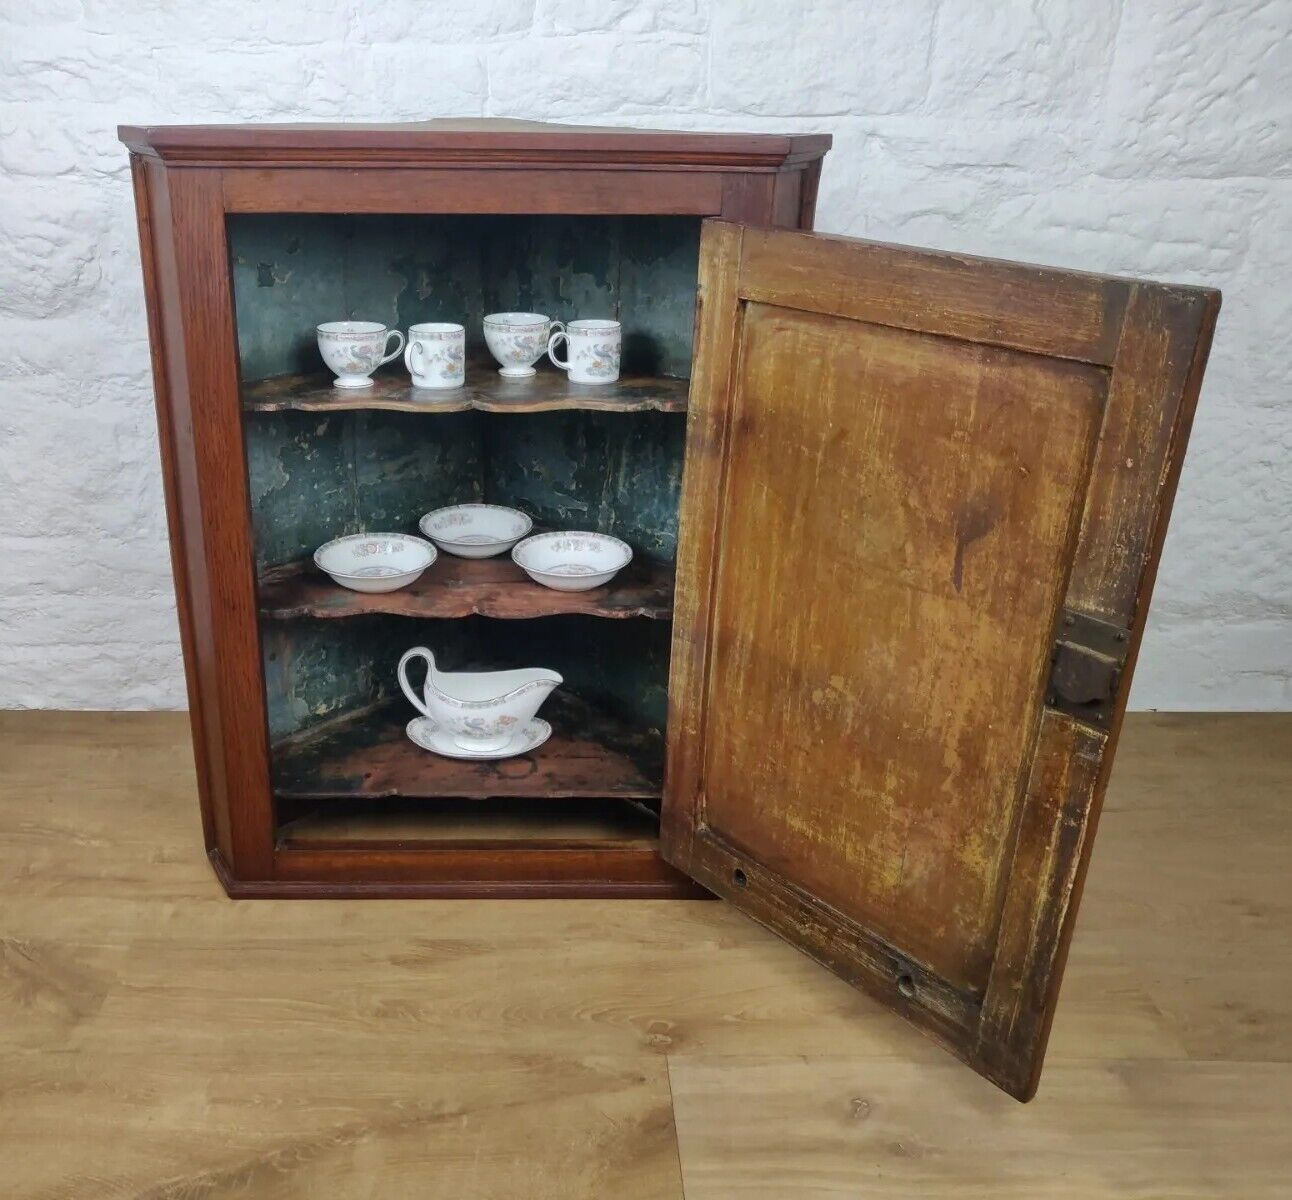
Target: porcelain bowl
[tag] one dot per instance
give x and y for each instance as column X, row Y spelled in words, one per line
column 572, row 562
column 475, row 530
column 375, row 562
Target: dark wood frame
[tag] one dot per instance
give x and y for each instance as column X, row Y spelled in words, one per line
column 1153, row 340
column 187, row 180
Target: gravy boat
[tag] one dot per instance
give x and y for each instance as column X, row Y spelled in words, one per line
column 480, row 710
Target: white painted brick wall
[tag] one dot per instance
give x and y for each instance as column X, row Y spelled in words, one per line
column 1138, row 136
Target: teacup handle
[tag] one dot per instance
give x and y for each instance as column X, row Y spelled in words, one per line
column 413, row 698
column 410, row 356
column 397, row 351
column 551, row 347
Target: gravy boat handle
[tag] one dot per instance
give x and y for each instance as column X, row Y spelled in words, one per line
column 413, row 698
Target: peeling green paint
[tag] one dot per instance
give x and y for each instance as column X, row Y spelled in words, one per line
column 618, row 473
column 292, row 272
column 276, row 324
column 621, row 666
column 318, row 670
column 314, row 477
column 315, row 670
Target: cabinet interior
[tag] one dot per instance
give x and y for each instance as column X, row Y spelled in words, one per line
column 322, row 464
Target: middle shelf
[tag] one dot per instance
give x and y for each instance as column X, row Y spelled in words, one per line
column 463, row 587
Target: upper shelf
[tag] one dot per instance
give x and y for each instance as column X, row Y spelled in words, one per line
column 547, row 391
column 462, row 587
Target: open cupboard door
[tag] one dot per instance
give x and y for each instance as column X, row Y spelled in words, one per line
column 924, row 500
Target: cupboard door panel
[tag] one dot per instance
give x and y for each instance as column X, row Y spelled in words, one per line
column 935, row 564
column 903, row 634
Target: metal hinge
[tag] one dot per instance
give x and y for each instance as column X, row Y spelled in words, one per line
column 1086, row 667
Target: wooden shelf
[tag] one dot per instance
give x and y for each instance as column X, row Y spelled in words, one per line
column 368, row 823
column 463, row 587
column 589, row 754
column 547, row 391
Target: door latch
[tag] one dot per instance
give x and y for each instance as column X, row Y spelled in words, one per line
column 1086, row 667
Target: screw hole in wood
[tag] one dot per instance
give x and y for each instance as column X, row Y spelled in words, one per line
column 739, row 878
column 906, row 985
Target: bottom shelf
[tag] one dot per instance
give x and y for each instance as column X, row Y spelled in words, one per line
column 357, row 824
column 367, row 755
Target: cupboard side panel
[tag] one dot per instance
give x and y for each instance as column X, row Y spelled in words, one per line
column 787, row 198
column 807, row 194
column 209, row 430
column 152, row 213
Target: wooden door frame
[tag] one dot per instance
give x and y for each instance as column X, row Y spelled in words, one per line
column 182, row 208
column 1154, row 340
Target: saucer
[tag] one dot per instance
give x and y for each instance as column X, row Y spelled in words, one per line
column 423, row 732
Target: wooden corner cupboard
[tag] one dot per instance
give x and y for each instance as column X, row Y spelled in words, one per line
column 897, row 515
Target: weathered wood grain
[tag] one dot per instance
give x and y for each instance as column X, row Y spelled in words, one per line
column 549, row 390
column 1060, row 314
column 1161, row 353
column 1054, row 826
column 861, row 673
column 897, row 626
column 717, row 316
column 461, row 587
column 1157, row 374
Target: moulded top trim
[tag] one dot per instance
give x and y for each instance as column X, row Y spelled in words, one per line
column 466, row 140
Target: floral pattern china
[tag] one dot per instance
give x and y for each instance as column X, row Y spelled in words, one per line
column 436, row 355
column 594, row 349
column 352, row 350
column 518, row 340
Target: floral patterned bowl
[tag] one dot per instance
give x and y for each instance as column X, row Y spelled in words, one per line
column 375, row 562
column 572, row 562
column 475, row 530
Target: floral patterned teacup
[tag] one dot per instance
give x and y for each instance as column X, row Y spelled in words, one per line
column 593, row 354
column 436, row 355
column 353, row 350
column 518, row 340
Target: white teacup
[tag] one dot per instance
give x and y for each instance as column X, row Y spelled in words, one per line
column 353, row 350
column 518, row 340
column 593, row 354
column 436, row 355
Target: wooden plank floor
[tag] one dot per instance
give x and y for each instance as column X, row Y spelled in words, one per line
column 160, row 1042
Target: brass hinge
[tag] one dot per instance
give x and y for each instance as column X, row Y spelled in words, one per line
column 1086, row 667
